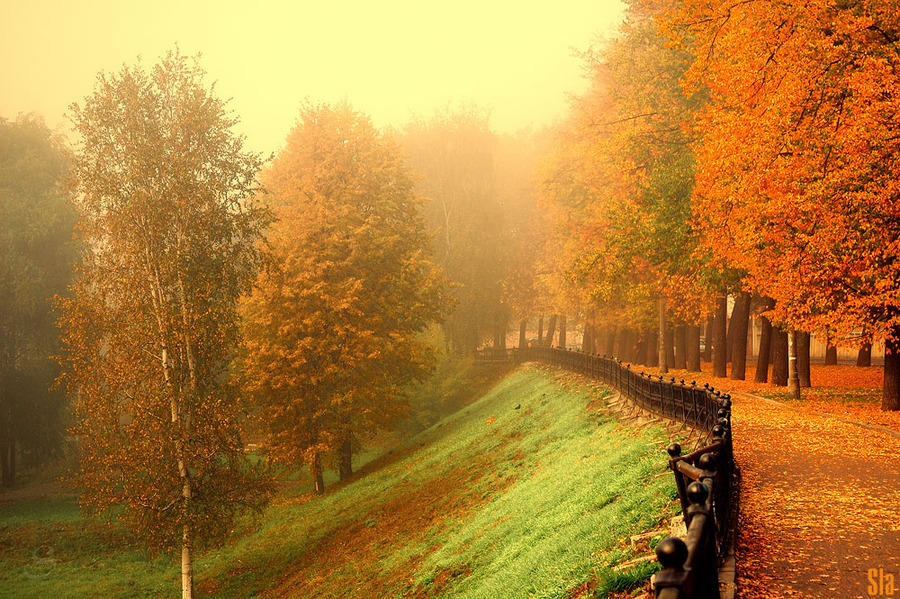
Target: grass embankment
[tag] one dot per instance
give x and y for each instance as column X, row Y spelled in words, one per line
column 531, row 491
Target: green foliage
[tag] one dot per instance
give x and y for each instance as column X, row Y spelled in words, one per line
column 448, row 387
column 35, row 265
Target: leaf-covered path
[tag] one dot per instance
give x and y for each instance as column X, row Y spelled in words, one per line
column 819, row 505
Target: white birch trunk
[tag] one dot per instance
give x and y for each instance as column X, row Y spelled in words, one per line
column 793, row 385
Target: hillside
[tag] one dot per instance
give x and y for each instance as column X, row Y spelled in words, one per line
column 530, row 491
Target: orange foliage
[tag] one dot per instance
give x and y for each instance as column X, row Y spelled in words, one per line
column 797, row 171
column 332, row 329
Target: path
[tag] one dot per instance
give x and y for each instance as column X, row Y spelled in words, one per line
column 819, row 505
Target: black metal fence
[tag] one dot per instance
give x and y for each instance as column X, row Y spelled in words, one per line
column 704, row 477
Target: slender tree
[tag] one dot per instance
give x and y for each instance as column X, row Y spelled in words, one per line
column 169, row 235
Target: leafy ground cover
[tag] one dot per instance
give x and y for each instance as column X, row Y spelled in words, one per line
column 845, row 391
column 531, row 491
column 818, row 504
column 819, row 493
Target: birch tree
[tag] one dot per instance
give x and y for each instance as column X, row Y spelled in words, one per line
column 170, row 243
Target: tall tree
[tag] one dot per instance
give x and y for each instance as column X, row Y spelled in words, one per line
column 455, row 153
column 169, row 234
column 36, row 258
column 798, row 168
column 333, row 329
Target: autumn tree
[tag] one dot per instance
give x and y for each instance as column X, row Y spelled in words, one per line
column 333, row 330
column 36, row 258
column 798, row 168
column 619, row 183
column 455, row 154
column 169, row 235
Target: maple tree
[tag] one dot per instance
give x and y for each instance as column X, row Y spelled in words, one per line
column 169, row 232
column 797, row 169
column 333, row 330
column 36, row 258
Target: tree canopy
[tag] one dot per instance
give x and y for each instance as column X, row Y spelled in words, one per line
column 36, row 256
column 332, row 329
column 169, row 234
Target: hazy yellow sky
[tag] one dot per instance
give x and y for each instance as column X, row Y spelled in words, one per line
column 389, row 58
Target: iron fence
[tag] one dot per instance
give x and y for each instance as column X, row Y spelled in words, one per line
column 689, row 566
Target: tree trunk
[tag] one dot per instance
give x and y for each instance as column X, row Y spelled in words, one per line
column 611, row 341
column 707, row 348
column 551, row 330
column 523, row 333
column 670, row 347
column 864, row 358
column 187, row 563
column 793, row 384
column 315, row 470
column 729, row 330
column 779, row 357
column 653, row 348
column 803, row 369
column 6, row 478
column 890, row 397
column 720, row 355
column 693, row 348
column 540, row 336
column 562, row 331
column 345, row 463
column 626, row 346
column 663, row 354
column 11, row 461
column 641, row 346
column 830, row 352
column 765, row 347
column 500, row 328
column 740, row 324
column 680, row 347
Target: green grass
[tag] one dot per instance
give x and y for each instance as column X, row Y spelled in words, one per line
column 492, row 501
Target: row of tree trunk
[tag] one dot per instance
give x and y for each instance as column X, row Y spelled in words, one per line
column 726, row 343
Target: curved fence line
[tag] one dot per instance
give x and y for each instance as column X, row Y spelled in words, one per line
column 704, row 478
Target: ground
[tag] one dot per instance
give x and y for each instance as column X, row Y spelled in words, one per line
column 820, row 486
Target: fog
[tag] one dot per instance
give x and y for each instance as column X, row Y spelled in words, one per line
column 391, row 60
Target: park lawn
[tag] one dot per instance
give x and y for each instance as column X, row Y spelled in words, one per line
column 531, row 491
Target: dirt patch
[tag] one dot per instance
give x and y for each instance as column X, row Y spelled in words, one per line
column 346, row 560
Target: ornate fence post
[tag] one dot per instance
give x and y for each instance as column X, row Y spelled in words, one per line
column 671, row 581
column 674, row 451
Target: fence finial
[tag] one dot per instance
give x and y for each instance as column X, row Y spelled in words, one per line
column 697, row 492
column 672, row 552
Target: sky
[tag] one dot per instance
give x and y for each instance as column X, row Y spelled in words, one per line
column 390, row 59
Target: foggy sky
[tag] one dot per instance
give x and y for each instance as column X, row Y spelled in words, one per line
column 389, row 58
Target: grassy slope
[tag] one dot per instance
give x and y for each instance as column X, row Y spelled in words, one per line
column 491, row 502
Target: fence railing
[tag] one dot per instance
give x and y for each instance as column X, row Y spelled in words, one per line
column 704, row 477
